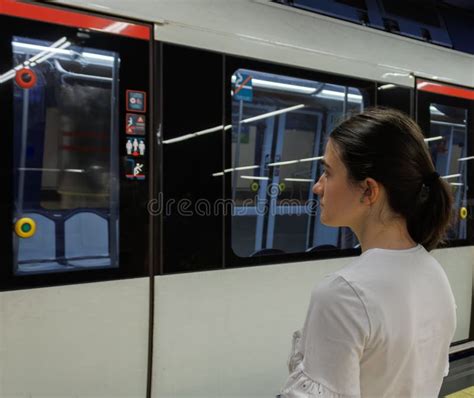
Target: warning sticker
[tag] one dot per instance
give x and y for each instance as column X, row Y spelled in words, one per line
column 135, row 124
column 135, row 169
column 136, row 101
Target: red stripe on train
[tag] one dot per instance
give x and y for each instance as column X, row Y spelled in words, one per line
column 451, row 91
column 74, row 19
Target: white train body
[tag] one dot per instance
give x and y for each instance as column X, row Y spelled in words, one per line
column 215, row 333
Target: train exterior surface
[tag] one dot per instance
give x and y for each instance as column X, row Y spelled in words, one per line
column 161, row 235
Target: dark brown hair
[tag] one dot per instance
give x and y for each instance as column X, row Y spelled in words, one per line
column 388, row 146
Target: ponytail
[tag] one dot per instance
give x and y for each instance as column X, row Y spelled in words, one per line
column 432, row 215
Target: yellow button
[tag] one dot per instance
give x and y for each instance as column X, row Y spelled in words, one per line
column 25, row 227
column 463, row 213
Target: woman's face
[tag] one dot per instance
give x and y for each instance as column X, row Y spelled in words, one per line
column 339, row 199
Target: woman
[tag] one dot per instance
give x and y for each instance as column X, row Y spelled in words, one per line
column 382, row 326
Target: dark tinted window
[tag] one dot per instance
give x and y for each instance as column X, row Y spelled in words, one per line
column 280, row 125
column 66, row 166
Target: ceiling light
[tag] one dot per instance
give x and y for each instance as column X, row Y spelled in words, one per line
column 451, row 176
column 299, row 179
column 464, row 159
column 439, row 137
column 254, row 178
column 274, row 113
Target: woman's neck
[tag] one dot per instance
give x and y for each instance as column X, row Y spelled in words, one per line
column 388, row 235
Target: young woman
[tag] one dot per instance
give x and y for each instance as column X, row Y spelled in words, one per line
column 382, row 326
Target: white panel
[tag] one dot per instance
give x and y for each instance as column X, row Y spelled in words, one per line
column 227, row 333
column 264, row 30
column 458, row 264
column 78, row 341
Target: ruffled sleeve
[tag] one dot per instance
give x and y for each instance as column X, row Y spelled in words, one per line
column 325, row 357
column 300, row 385
column 296, row 354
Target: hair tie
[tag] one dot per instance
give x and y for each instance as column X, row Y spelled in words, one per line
column 430, row 178
column 428, row 181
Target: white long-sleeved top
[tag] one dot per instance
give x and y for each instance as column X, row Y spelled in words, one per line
column 381, row 327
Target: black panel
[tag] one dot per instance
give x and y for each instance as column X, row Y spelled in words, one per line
column 460, row 26
column 360, row 4
column 134, row 74
column 156, row 164
column 192, row 101
column 422, row 11
column 462, row 4
column 397, row 97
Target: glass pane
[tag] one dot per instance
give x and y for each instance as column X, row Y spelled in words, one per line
column 448, row 147
column 280, row 126
column 65, row 157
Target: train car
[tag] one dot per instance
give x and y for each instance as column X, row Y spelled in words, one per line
column 160, row 234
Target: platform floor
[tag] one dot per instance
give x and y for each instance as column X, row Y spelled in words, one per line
column 460, row 381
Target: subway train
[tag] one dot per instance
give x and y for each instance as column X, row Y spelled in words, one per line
column 160, row 234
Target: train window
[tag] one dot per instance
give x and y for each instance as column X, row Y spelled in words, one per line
column 66, row 168
column 448, row 148
column 280, row 125
column 445, row 113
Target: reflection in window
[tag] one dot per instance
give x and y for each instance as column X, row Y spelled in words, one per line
column 448, row 147
column 280, row 126
column 65, row 157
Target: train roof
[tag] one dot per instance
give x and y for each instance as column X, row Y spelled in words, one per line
column 265, row 30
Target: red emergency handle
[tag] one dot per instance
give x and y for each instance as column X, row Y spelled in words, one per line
column 25, row 78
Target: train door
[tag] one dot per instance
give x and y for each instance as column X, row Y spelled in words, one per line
column 445, row 113
column 74, row 99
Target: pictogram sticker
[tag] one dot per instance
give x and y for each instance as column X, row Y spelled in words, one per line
column 135, row 124
column 243, row 90
column 135, row 147
column 135, row 169
column 136, row 101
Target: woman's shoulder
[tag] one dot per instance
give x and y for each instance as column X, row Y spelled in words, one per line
column 336, row 299
column 335, row 288
column 377, row 261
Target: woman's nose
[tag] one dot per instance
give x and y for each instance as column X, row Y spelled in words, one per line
column 318, row 187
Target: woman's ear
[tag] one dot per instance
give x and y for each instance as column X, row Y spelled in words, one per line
column 370, row 191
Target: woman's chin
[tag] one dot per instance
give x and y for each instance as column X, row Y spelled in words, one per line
column 324, row 219
column 327, row 221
